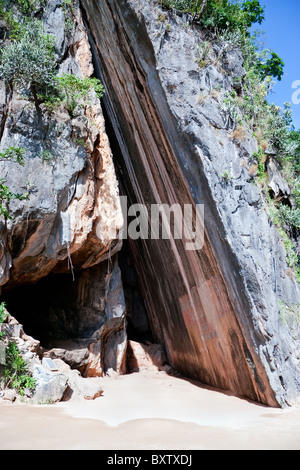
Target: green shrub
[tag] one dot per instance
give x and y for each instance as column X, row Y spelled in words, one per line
column 273, row 67
column 226, row 177
column 289, row 216
column 296, row 190
column 230, row 106
column 3, row 315
column 222, row 14
column 26, row 7
column 16, row 374
column 68, row 7
column 5, row 196
column 260, row 165
column 15, row 154
column 16, row 13
column 46, row 155
column 293, row 155
column 76, row 91
column 29, row 61
column 228, row 15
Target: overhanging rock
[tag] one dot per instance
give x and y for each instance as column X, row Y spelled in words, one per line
column 215, row 309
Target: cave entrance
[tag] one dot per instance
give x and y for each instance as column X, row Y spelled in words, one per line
column 66, row 314
column 58, row 310
column 138, row 327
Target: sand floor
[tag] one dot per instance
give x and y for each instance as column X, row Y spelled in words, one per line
column 151, row 411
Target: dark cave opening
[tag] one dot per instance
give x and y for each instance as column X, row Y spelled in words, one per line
column 138, row 328
column 60, row 311
column 58, row 308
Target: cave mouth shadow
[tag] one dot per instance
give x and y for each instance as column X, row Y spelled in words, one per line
column 63, row 313
column 57, row 310
column 138, row 325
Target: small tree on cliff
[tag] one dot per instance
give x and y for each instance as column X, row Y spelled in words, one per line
column 75, row 91
column 223, row 14
column 29, row 61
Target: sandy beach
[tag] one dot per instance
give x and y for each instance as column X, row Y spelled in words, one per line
column 150, row 411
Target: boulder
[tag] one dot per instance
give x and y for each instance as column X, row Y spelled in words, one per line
column 8, row 395
column 79, row 387
column 50, row 386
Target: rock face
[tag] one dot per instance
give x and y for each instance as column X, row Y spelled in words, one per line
column 57, row 262
column 73, row 205
column 145, row 357
column 216, row 309
column 54, row 382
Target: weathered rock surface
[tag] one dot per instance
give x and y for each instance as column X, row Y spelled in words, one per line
column 145, row 357
column 63, row 382
column 50, row 386
column 215, row 310
column 73, row 206
column 57, row 258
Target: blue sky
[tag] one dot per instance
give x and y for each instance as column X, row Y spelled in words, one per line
column 282, row 35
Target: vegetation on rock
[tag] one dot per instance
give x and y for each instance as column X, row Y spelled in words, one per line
column 229, row 22
column 14, row 154
column 3, row 316
column 15, row 374
column 28, row 60
column 75, row 91
column 28, row 64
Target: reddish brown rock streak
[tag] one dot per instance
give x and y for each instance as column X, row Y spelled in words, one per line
column 196, row 299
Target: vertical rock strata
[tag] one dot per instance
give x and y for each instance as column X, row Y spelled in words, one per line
column 215, row 309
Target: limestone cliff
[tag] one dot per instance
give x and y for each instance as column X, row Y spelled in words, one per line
column 68, row 172
column 215, row 310
column 62, row 235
